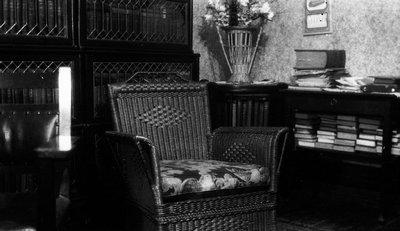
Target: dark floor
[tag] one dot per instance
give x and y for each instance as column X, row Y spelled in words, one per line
column 337, row 208
column 334, row 209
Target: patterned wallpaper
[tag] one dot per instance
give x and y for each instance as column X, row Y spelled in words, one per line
column 369, row 31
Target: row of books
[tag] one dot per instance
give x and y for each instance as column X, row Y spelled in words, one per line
column 12, row 181
column 345, row 133
column 29, row 96
column 133, row 23
column 41, row 17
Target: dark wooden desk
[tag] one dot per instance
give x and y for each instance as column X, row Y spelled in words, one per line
column 245, row 104
column 384, row 106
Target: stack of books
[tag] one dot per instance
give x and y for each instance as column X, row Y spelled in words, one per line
column 305, row 129
column 319, row 68
column 385, row 84
column 395, row 143
column 326, row 132
column 370, row 135
column 346, row 133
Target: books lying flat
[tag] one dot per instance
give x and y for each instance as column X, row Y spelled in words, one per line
column 369, row 121
column 327, row 117
column 386, row 79
column 346, row 136
column 305, row 136
column 325, row 133
column 368, row 131
column 368, row 126
column 306, row 144
column 366, row 136
column 323, row 145
column 306, row 116
column 330, row 129
column 343, row 148
column 385, row 88
column 322, row 124
column 347, row 118
column 365, row 149
column 368, row 143
column 327, row 121
column 301, row 126
column 304, row 131
column 343, row 142
column 325, row 140
column 351, row 129
column 306, row 122
column 346, row 123
column 320, row 59
column 395, row 151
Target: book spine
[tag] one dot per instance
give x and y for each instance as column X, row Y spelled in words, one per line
column 320, row 59
column 335, row 59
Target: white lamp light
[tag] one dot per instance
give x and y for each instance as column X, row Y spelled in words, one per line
column 64, row 104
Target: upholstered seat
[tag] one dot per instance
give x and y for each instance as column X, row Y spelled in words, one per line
column 192, row 176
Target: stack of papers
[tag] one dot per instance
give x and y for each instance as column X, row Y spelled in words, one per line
column 323, row 78
column 353, row 83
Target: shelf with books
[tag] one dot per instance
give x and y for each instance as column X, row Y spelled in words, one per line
column 345, row 133
column 40, row 22
column 346, row 129
column 245, row 104
column 155, row 25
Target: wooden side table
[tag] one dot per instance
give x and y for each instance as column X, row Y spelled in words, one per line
column 235, row 105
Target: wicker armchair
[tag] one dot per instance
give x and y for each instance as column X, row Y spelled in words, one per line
column 174, row 118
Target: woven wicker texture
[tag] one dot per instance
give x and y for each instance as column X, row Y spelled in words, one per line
column 174, row 118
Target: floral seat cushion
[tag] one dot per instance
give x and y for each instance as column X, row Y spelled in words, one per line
column 189, row 176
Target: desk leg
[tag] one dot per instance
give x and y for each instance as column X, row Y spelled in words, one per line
column 46, row 194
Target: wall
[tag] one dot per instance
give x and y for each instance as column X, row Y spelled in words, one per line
column 369, row 31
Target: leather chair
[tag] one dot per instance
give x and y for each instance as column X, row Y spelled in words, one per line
column 178, row 174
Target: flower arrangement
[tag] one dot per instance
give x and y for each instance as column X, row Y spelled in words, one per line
column 238, row 12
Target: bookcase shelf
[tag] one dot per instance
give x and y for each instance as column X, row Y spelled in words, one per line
column 154, row 25
column 353, row 106
column 107, row 41
column 245, row 104
column 41, row 22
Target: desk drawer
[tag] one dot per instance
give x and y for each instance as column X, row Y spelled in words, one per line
column 334, row 104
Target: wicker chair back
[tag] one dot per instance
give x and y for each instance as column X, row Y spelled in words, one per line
column 175, row 117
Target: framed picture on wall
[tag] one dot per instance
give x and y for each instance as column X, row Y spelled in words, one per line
column 317, row 17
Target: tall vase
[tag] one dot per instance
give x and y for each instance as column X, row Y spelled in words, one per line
column 239, row 51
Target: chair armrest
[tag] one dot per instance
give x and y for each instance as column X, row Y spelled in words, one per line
column 255, row 145
column 59, row 147
column 137, row 162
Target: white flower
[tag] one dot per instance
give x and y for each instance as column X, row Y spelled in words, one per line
column 208, row 17
column 270, row 15
column 265, row 8
column 244, row 2
column 218, row 5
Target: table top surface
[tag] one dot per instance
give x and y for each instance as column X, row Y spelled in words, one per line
column 58, row 147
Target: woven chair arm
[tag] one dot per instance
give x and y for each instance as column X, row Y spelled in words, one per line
column 137, row 162
column 255, row 145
